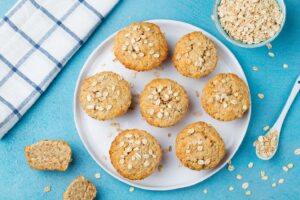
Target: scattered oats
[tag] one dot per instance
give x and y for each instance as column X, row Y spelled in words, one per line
column 265, row 178
column 262, row 173
column 129, row 166
column 297, row 151
column 266, row 128
column 97, row 175
column 239, row 177
column 284, row 168
column 248, row 193
column 245, row 185
column 197, row 93
column 250, row 165
column 89, row 98
column 280, row 181
column 274, row 184
column 254, row 68
column 269, row 45
column 260, row 95
column 285, row 66
column 160, row 167
column 271, row 54
column 131, row 189
column 197, row 114
column 230, row 168
column 144, row 141
column 212, row 17
column 290, row 165
column 47, row 189
column 205, row 191
column 191, row 130
column 146, row 163
column 231, row 188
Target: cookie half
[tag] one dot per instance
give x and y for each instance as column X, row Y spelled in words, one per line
column 163, row 102
column 195, row 55
column 49, row 155
column 80, row 189
column 135, row 154
column 225, row 97
column 141, row 46
column 105, row 96
column 199, row 146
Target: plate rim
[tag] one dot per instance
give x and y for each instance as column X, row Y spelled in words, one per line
column 131, row 183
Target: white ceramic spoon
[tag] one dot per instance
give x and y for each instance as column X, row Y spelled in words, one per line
column 278, row 124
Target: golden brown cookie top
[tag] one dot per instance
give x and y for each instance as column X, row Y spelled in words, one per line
column 135, row 154
column 141, row 46
column 195, row 55
column 105, row 95
column 163, row 102
column 199, row 146
column 225, row 97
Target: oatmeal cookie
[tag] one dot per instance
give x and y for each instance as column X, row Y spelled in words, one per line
column 105, row 95
column 163, row 102
column 135, row 154
column 80, row 189
column 199, row 146
column 195, row 55
column 141, row 46
column 225, row 97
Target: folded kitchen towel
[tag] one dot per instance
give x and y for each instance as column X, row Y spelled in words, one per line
column 37, row 38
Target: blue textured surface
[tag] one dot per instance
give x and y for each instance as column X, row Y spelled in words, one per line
column 52, row 116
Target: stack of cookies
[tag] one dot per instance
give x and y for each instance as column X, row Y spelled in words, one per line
column 135, row 154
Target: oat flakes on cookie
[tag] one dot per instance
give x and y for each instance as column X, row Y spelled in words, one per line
column 135, row 154
column 141, row 46
column 195, row 55
column 225, row 97
column 80, row 189
column 105, row 96
column 199, row 146
column 163, row 102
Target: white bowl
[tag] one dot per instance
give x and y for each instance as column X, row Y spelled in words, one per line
column 239, row 43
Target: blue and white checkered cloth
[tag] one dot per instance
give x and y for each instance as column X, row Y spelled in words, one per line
column 37, row 38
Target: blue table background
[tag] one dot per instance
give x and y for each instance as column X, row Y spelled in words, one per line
column 52, row 116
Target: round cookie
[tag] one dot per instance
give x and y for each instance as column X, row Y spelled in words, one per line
column 105, row 95
column 141, row 46
column 135, row 154
column 225, row 97
column 163, row 102
column 199, row 146
column 195, row 55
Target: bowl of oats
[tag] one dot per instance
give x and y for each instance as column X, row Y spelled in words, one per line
column 249, row 24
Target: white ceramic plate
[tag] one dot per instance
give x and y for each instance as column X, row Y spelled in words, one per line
column 98, row 135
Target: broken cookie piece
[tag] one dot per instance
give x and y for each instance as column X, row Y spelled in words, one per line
column 80, row 189
column 49, row 155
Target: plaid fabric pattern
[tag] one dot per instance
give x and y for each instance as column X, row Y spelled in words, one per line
column 37, row 38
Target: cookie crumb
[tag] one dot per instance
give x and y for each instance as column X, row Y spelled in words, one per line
column 290, row 165
column 274, row 184
column 47, row 189
column 230, row 168
column 205, row 191
column 248, row 193
column 297, row 151
column 285, row 66
column 254, row 68
column 245, row 185
column 261, row 95
column 231, row 188
column 250, row 165
column 97, row 175
column 169, row 134
column 239, row 177
column 265, row 128
column 269, row 46
column 280, row 181
column 131, row 189
column 284, row 168
column 160, row 167
column 271, row 54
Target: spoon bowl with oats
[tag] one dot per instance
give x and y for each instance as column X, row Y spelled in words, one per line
column 267, row 145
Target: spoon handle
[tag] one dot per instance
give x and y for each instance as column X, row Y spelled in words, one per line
column 287, row 105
